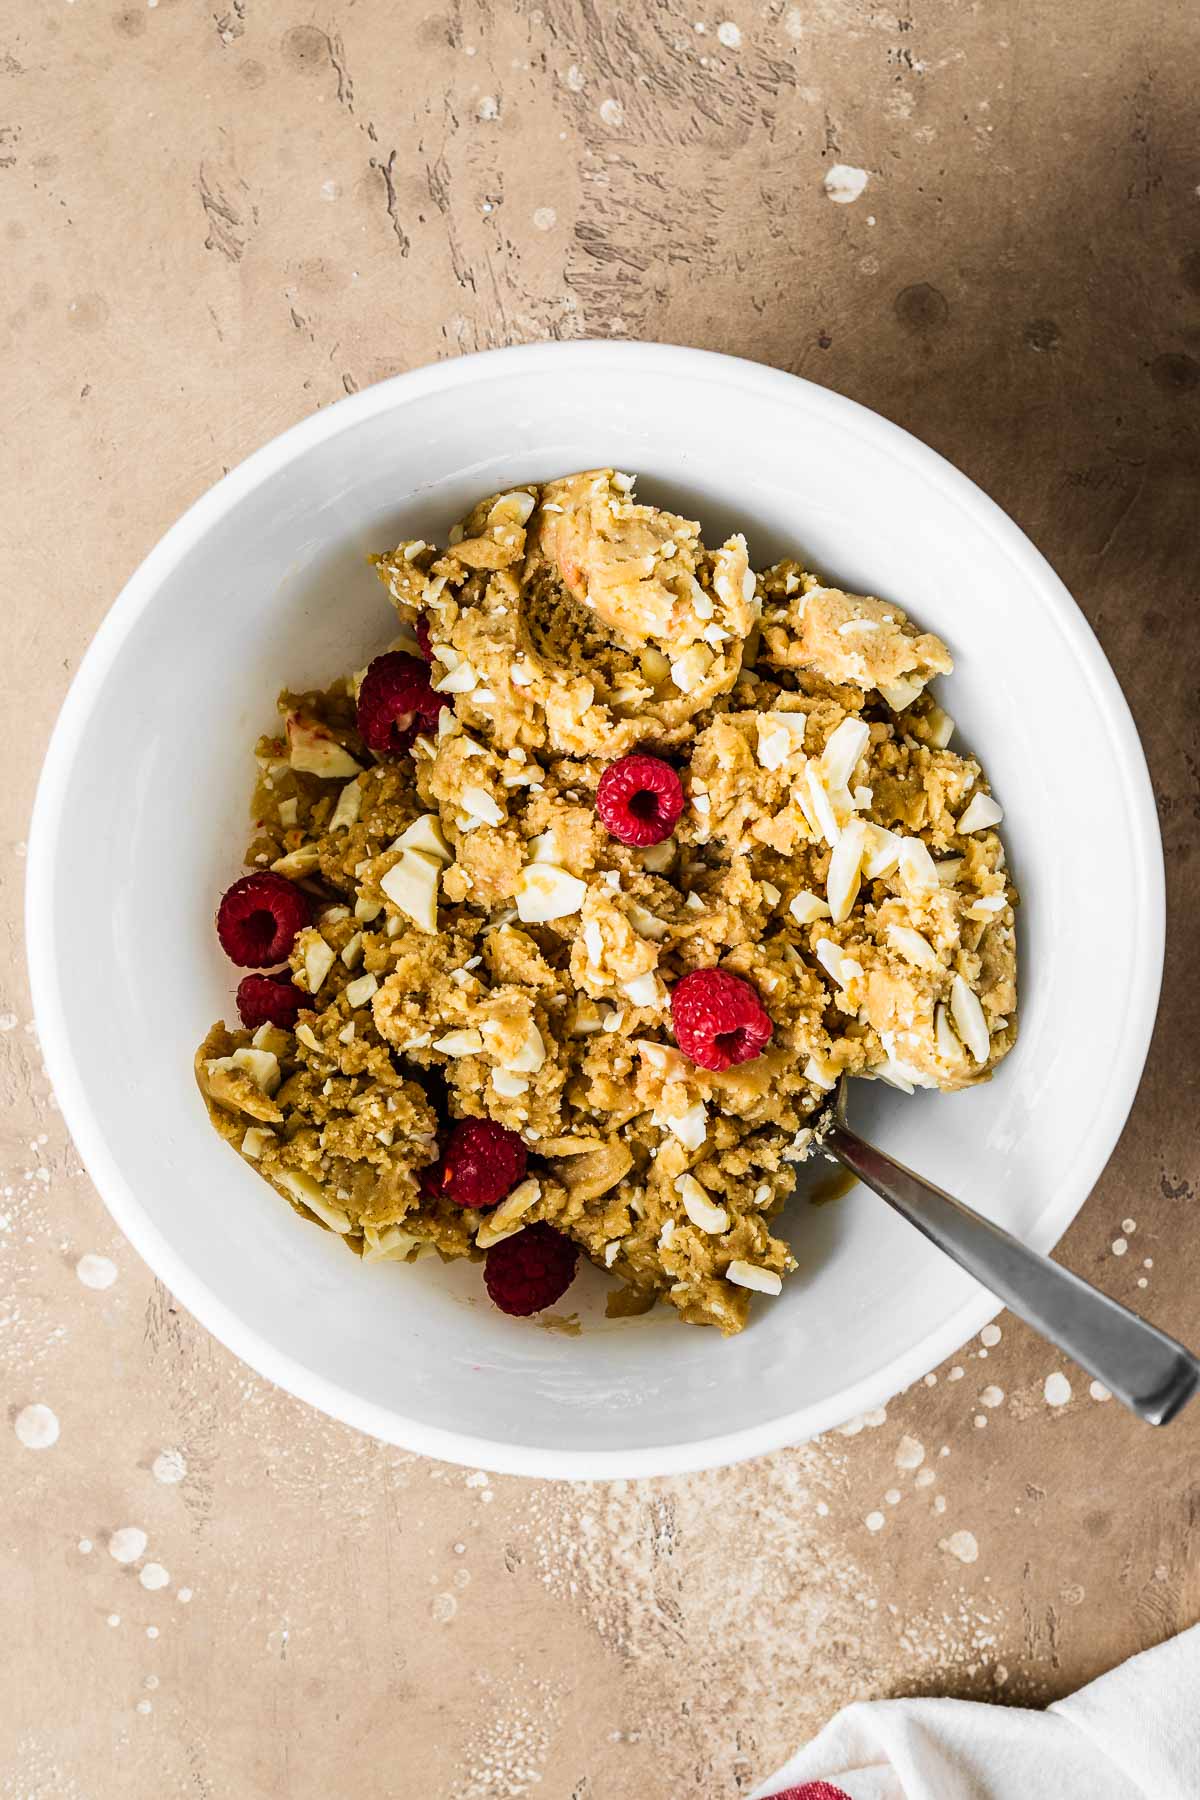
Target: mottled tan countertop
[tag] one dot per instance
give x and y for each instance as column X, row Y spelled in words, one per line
column 214, row 222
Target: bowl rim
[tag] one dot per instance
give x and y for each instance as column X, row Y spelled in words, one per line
column 1144, row 848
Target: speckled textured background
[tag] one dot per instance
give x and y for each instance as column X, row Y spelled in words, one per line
column 214, row 222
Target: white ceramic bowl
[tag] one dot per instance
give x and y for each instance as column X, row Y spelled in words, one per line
column 139, row 825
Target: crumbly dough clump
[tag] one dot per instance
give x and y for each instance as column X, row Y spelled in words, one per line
column 482, row 946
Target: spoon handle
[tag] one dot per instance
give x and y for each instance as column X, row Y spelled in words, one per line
column 1144, row 1368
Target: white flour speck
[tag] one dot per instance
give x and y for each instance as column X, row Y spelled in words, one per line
column 443, row 1608
column 545, row 218
column 154, row 1576
column 1098, row 1391
column 939, row 1503
column 36, row 1427
column 844, row 183
column 127, row 1543
column 331, row 190
column 876, row 1417
column 962, row 1544
column 1129, row 1226
column 488, row 108
column 1057, row 1389
column 729, row 35
column 576, row 79
column 893, row 1496
column 85, row 1546
column 152, row 1631
column 96, row 1271
column 992, row 1396
column 980, row 1421
column 8, row 1021
column 183, row 1596
column 925, row 1478
column 169, row 1466
column 114, row 1619
column 910, row 1453
column 476, row 1479
column 874, row 1521
column 793, row 22
column 1120, row 1246
column 612, row 113
column 1148, row 1263
column 822, row 1509
column 955, row 1374
column 144, row 1706
column 990, row 1335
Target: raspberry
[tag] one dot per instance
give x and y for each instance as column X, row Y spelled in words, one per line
column 531, row 1270
column 259, row 918
column 395, row 702
column 639, row 800
column 423, row 637
column 719, row 1019
column 268, row 1000
column 481, row 1163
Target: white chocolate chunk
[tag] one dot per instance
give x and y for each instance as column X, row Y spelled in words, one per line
column 882, row 853
column 914, row 948
column 749, row 1275
column 360, row 991
column 545, row 892
column 349, row 805
column 969, row 1020
column 412, row 887
column 918, row 871
column 806, row 907
column 460, row 1043
column 480, row 808
column 839, row 759
column 310, row 1193
column 844, row 871
column 982, row 812
column 313, row 750
column 319, row 958
column 690, row 1127
column 642, row 990
column 298, row 863
column 426, row 834
column 780, row 735
column 704, row 1214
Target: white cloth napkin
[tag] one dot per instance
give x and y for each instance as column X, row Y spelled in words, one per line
column 1132, row 1735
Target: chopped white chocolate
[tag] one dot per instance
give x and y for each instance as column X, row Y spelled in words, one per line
column 749, row 1275
column 704, row 1214
column 982, row 812
column 969, row 1019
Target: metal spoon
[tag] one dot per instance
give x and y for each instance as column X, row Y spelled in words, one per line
column 1141, row 1366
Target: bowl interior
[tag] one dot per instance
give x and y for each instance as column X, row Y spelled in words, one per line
column 141, row 822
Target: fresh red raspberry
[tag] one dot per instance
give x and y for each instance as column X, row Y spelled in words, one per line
column 268, row 1000
column 531, row 1270
column 259, row 918
column 813, row 1790
column 395, row 702
column 639, row 800
column 423, row 643
column 719, row 1019
column 482, row 1161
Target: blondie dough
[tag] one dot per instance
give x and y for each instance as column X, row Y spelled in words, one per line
column 482, row 946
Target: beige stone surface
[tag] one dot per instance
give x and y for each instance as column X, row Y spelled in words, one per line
column 214, row 222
